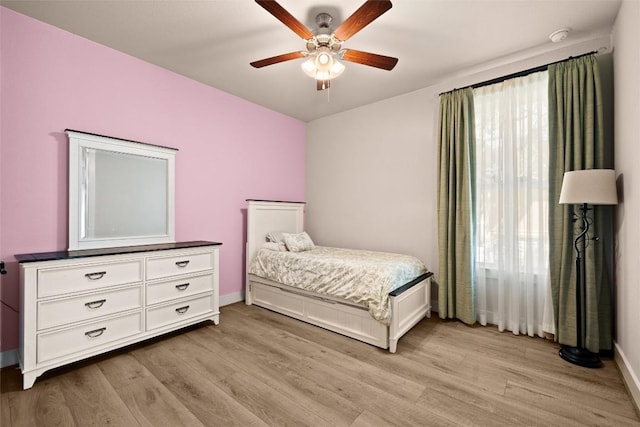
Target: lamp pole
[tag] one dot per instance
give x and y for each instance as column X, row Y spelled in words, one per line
column 579, row 355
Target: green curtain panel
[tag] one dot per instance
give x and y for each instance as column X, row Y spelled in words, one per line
column 576, row 142
column 456, row 198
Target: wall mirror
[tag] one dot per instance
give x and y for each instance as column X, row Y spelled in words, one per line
column 121, row 193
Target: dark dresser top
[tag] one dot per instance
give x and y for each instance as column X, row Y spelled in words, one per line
column 62, row 255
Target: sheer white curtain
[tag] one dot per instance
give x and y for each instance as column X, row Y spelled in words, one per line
column 511, row 224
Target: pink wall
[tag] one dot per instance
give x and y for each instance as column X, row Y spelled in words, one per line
column 230, row 149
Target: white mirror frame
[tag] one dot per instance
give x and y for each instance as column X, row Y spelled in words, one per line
column 78, row 141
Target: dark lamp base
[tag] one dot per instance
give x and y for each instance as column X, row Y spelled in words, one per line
column 580, row 356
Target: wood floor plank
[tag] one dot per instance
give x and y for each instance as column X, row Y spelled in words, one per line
column 375, row 400
column 599, row 393
column 489, row 342
column 556, row 378
column 270, row 355
column 400, row 386
column 494, row 343
column 189, row 350
column 491, row 369
column 147, row 399
column 268, row 404
column 367, row 419
column 261, row 368
column 251, row 360
column 312, row 333
column 421, row 366
column 210, row 404
column 274, row 371
column 248, row 331
column 10, row 383
column 18, row 405
column 444, row 391
column 551, row 363
column 5, row 411
column 368, row 374
column 91, row 399
column 475, row 406
column 573, row 408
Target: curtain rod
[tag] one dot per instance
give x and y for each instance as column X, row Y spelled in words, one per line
column 519, row 73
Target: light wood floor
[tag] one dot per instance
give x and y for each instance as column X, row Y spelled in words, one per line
column 262, row 368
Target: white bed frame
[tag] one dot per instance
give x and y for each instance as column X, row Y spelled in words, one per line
column 408, row 307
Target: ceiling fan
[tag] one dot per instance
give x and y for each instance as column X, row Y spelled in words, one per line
column 325, row 47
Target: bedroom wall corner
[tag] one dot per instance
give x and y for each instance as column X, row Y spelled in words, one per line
column 626, row 56
column 231, row 298
column 8, row 358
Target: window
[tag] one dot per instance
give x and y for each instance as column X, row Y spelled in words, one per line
column 511, row 219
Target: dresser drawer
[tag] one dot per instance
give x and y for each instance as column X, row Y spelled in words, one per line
column 178, row 312
column 178, row 264
column 91, row 335
column 75, row 309
column 88, row 277
column 166, row 291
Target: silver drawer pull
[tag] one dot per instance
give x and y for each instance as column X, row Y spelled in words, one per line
column 95, row 333
column 95, row 304
column 182, row 264
column 95, row 276
column 182, row 287
column 182, row 310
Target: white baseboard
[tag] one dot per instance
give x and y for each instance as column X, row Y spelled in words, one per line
column 8, row 358
column 231, row 298
column 628, row 375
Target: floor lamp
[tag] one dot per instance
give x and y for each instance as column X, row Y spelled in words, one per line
column 585, row 187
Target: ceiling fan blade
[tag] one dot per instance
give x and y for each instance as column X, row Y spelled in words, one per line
column 370, row 59
column 286, row 18
column 276, row 59
column 362, row 17
column 323, row 84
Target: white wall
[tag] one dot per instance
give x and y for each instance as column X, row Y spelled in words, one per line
column 371, row 172
column 627, row 153
column 370, row 181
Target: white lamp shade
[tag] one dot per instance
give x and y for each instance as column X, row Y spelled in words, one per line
column 592, row 186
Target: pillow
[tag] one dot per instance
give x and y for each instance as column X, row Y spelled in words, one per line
column 275, row 246
column 275, row 236
column 298, row 242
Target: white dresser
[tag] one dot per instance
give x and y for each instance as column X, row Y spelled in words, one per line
column 82, row 303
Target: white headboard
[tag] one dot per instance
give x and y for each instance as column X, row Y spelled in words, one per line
column 264, row 216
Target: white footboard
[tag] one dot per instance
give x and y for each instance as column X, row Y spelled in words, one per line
column 407, row 309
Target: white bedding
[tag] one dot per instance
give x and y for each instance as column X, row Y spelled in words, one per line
column 361, row 277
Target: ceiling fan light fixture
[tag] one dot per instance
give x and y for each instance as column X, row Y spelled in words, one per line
column 323, row 75
column 321, row 65
column 336, row 69
column 309, row 67
column 324, row 60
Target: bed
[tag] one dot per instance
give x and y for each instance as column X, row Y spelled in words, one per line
column 380, row 323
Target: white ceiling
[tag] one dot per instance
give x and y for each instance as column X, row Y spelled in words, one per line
column 214, row 41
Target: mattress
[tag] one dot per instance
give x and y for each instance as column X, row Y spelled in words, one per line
column 358, row 276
